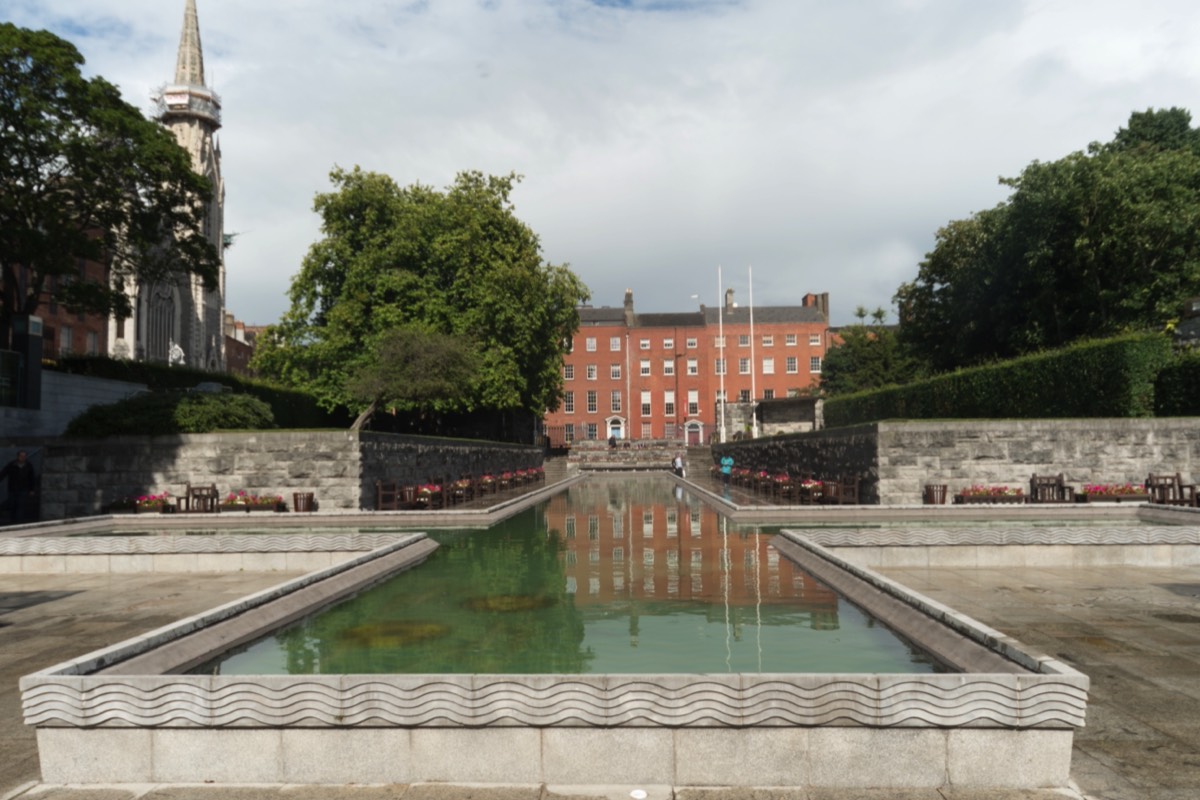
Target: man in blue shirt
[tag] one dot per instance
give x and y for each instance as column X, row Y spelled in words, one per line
column 726, row 468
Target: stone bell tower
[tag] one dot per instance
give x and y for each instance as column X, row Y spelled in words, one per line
column 181, row 322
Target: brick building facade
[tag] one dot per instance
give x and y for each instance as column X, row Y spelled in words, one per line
column 660, row 376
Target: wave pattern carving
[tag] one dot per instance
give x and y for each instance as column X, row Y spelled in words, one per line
column 220, row 543
column 941, row 701
column 912, row 537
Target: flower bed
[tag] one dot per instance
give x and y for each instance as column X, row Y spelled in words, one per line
column 145, row 504
column 1114, row 493
column 244, row 501
column 990, row 494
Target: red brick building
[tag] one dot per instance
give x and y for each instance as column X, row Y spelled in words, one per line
column 64, row 332
column 661, row 376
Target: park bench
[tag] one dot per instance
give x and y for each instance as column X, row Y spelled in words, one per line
column 1050, row 489
column 387, row 496
column 1171, row 490
column 200, row 499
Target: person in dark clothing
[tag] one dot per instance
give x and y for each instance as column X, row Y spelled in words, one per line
column 22, row 483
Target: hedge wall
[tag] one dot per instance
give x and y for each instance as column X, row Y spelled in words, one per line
column 170, row 412
column 291, row 408
column 1177, row 392
column 1102, row 378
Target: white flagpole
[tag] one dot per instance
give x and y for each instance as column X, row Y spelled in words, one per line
column 721, row 349
column 753, row 366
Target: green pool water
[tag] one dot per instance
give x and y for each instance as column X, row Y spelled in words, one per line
column 615, row 575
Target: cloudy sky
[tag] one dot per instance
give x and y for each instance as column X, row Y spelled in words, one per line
column 820, row 142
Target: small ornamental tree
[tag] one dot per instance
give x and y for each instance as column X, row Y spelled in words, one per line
column 413, row 370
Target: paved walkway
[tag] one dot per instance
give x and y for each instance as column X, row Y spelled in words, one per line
column 1136, row 632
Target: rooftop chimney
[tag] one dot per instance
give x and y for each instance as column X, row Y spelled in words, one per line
column 729, row 304
column 629, row 315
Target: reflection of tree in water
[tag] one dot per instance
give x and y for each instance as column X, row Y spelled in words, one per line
column 303, row 651
column 493, row 601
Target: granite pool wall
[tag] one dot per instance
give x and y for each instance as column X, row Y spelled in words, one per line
column 1009, row 726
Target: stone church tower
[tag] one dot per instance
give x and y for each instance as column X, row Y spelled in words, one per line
column 180, row 322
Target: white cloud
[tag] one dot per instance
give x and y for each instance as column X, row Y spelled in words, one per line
column 822, row 143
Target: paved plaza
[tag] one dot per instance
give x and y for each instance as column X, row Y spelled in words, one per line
column 1135, row 632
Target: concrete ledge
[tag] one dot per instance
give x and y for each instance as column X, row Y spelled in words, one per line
column 795, row 757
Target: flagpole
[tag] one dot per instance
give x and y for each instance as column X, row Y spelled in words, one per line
column 753, row 366
column 721, row 349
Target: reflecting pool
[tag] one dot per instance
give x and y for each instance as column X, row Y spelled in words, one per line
column 614, row 575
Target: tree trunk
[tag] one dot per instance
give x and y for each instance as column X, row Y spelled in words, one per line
column 365, row 417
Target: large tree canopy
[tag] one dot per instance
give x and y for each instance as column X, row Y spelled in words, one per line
column 456, row 262
column 83, row 175
column 868, row 356
column 1094, row 244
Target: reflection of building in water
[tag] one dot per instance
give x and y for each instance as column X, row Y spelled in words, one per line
column 635, row 548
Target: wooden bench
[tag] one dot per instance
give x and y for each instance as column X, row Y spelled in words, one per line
column 200, row 499
column 1170, row 490
column 1050, row 489
column 387, row 496
column 462, row 490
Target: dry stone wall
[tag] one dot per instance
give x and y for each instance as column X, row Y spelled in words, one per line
column 960, row 453
column 826, row 454
column 339, row 467
column 897, row 459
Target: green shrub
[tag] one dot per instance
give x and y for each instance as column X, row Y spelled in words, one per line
column 1177, row 391
column 291, row 408
column 1100, row 378
column 159, row 413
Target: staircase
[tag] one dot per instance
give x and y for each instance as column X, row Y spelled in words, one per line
column 555, row 469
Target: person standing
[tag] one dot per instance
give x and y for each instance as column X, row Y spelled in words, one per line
column 726, row 468
column 22, row 483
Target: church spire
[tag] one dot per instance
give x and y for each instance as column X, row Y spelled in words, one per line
column 189, row 66
column 188, row 98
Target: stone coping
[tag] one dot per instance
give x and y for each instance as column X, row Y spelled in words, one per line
column 298, row 542
column 966, row 626
column 1085, row 513
column 334, row 518
column 99, row 659
column 1007, row 536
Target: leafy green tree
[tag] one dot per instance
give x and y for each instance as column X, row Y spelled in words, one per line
column 456, row 262
column 1167, row 129
column 1092, row 245
column 83, row 175
column 869, row 356
column 413, row 369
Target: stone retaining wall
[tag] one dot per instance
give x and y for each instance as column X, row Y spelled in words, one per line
column 1007, row 452
column 825, row 454
column 896, row 459
column 339, row 467
column 641, row 455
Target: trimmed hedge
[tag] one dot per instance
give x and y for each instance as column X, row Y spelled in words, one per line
column 291, row 408
column 1100, row 378
column 159, row 413
column 1177, row 391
